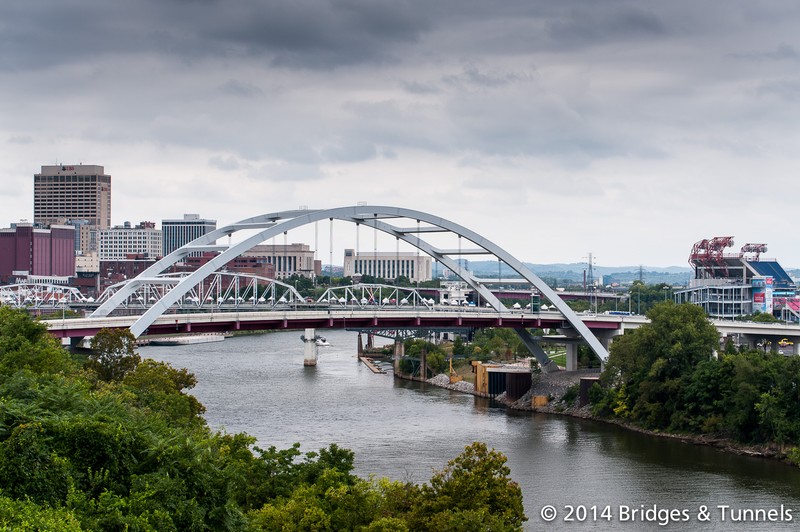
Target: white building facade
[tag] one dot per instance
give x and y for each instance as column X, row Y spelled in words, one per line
column 288, row 259
column 143, row 240
column 388, row 265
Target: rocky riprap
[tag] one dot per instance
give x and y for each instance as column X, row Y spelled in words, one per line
column 443, row 381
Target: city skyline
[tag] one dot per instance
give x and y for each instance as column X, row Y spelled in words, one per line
column 627, row 129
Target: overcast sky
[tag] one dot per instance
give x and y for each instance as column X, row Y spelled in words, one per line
column 628, row 129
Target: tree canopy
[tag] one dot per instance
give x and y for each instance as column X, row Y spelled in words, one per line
column 664, row 376
column 120, row 445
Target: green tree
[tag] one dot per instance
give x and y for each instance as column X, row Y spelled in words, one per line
column 649, row 366
column 459, row 348
column 113, row 354
column 643, row 296
column 26, row 344
column 29, row 467
column 159, row 387
column 436, row 362
column 474, row 492
column 27, row 515
column 764, row 317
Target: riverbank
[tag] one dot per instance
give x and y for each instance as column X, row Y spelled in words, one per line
column 555, row 386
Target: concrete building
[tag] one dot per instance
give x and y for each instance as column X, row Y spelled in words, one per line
column 178, row 232
column 27, row 250
column 72, row 192
column 143, row 240
column 388, row 265
column 87, row 263
column 288, row 259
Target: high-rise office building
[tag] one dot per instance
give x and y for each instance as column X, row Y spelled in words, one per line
column 76, row 192
column 178, row 232
column 77, row 195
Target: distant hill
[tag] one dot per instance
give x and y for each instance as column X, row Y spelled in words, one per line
column 561, row 274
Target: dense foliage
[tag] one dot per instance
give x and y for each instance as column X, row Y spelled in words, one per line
column 664, row 376
column 118, row 445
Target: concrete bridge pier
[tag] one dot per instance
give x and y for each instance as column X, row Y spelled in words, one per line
column 310, row 341
column 572, row 356
column 606, row 339
column 399, row 352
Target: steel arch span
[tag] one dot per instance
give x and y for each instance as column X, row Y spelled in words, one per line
column 379, row 217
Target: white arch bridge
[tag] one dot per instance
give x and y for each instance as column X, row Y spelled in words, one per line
column 441, row 239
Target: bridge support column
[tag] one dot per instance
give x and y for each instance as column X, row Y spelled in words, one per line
column 310, row 354
column 533, row 346
column 360, row 345
column 606, row 339
column 572, row 357
column 399, row 352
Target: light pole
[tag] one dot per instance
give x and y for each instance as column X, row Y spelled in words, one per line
column 638, row 299
column 63, row 303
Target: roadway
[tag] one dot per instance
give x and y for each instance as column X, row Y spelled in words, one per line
column 439, row 317
column 336, row 318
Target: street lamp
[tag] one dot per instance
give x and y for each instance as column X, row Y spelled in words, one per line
column 63, row 304
column 638, row 299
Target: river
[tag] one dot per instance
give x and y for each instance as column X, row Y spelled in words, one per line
column 403, row 430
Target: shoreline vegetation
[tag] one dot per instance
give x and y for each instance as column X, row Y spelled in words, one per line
column 556, row 407
column 671, row 378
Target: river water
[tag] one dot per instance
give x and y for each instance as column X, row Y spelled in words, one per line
column 598, row 473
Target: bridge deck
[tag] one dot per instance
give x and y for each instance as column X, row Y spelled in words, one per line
column 334, row 318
